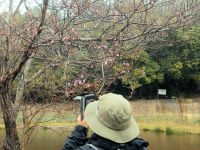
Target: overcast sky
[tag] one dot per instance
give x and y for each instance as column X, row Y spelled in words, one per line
column 4, row 4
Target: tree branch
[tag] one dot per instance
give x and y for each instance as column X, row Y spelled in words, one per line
column 13, row 73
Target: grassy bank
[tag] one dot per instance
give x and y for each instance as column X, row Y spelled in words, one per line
column 169, row 128
column 1, row 126
column 169, row 116
column 158, row 127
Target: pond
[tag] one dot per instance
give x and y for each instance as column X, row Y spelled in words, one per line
column 50, row 140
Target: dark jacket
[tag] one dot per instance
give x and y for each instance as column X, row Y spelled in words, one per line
column 79, row 141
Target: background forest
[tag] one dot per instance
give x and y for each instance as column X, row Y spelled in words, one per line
column 51, row 51
column 112, row 48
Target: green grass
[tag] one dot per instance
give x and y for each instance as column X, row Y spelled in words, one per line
column 51, row 118
column 169, row 127
column 45, row 128
column 145, row 129
column 169, row 131
column 157, row 130
column 1, row 126
column 198, row 121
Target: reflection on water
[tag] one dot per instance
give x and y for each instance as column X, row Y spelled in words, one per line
column 45, row 140
column 50, row 140
column 172, row 142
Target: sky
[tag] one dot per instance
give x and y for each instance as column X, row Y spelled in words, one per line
column 5, row 3
column 31, row 3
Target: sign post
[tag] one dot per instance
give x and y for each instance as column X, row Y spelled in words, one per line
column 162, row 92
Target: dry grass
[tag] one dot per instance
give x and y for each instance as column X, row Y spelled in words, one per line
column 181, row 116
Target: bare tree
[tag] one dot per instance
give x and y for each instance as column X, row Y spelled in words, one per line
column 8, row 71
column 89, row 35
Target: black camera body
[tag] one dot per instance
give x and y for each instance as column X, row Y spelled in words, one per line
column 84, row 101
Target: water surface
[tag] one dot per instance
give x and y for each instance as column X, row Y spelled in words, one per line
column 50, row 140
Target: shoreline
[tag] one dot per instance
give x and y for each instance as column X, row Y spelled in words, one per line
column 170, row 128
column 157, row 127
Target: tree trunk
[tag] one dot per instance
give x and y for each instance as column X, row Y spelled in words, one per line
column 12, row 139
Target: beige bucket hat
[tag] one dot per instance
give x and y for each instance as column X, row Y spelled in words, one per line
column 111, row 118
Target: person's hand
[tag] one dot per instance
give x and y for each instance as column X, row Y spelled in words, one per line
column 82, row 122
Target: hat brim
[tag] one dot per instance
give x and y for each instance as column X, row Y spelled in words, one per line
column 122, row 136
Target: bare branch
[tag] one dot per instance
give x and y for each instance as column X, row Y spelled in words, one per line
column 18, row 6
column 13, row 73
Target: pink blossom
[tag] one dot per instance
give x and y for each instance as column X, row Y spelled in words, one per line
column 34, row 31
column 126, row 64
column 72, row 29
column 110, row 51
column 106, row 62
column 80, row 82
column 104, row 46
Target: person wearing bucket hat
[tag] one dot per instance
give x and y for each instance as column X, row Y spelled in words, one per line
column 114, row 128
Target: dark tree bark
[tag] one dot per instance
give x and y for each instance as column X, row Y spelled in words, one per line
column 12, row 139
column 8, row 74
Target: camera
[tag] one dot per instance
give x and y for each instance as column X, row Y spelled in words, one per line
column 84, row 101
